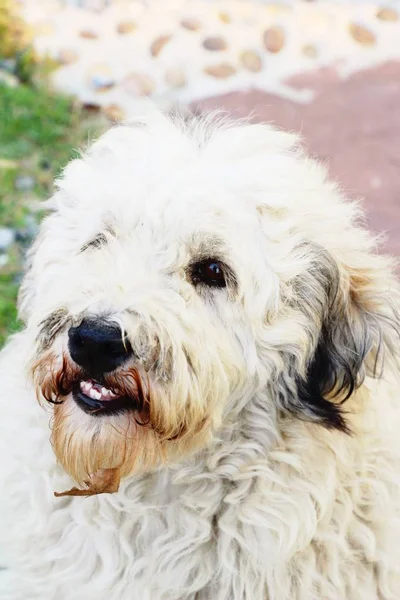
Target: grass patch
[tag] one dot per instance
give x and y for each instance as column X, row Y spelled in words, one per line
column 8, row 296
column 40, row 131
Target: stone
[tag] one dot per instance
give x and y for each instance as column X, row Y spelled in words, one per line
column 175, row 77
column 87, row 34
column 125, row 27
column 274, row 39
column 215, row 44
column 361, row 35
column 24, row 183
column 191, row 24
column 4, row 258
column 159, row 44
column 220, row 71
column 139, row 84
column 251, row 61
column 101, row 78
column 8, row 79
column 8, row 64
column 67, row 57
column 91, row 107
column 224, row 17
column 387, row 14
column 7, row 237
column 114, row 113
column 310, row 51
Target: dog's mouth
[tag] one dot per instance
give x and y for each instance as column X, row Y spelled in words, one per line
column 95, row 399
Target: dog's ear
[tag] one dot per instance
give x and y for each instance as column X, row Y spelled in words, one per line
column 357, row 329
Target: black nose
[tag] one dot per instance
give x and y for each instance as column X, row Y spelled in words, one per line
column 98, row 346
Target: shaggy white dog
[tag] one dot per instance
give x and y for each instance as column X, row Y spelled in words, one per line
column 198, row 306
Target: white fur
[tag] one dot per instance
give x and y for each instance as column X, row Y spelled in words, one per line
column 273, row 506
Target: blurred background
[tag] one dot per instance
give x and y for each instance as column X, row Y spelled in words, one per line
column 70, row 68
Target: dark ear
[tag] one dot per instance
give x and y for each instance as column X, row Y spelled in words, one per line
column 356, row 313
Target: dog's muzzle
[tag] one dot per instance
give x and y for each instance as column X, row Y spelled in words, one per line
column 99, row 348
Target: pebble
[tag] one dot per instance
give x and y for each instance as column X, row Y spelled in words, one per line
column 91, row 107
column 274, row 39
column 125, row 27
column 114, row 113
column 251, row 61
column 191, row 24
column 88, row 35
column 139, row 84
column 24, row 183
column 8, row 79
column 8, row 64
column 159, row 44
column 215, row 44
column 361, row 34
column 220, row 71
column 7, row 237
column 224, row 17
column 175, row 77
column 101, row 78
column 387, row 14
column 67, row 57
column 310, row 51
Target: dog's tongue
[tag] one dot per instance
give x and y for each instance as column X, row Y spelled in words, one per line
column 104, row 481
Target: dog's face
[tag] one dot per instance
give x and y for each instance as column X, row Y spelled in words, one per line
column 186, row 269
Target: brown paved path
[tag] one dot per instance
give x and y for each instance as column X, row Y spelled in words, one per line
column 354, row 125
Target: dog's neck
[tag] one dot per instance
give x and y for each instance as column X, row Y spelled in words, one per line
column 243, row 440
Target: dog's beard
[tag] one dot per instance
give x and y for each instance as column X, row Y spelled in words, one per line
column 159, row 425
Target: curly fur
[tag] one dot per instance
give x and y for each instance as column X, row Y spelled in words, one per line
column 267, row 464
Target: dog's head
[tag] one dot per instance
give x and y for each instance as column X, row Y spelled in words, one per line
column 187, row 268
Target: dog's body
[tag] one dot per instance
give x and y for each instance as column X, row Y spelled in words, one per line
column 246, row 480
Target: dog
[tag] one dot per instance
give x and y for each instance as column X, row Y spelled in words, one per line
column 213, row 340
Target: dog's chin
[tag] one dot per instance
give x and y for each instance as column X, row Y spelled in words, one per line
column 124, row 419
column 99, row 401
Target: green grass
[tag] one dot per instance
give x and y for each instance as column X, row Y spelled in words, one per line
column 40, row 132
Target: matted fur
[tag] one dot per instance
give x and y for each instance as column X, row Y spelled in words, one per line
column 263, row 462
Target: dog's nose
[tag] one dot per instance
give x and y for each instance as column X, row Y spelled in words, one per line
column 98, row 346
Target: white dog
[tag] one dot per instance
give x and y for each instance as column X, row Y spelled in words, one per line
column 198, row 306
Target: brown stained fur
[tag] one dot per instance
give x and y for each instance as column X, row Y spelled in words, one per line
column 130, row 442
column 105, row 481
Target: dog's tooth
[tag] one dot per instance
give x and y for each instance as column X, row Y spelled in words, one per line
column 104, row 391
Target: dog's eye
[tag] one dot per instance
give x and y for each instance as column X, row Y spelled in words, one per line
column 210, row 272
